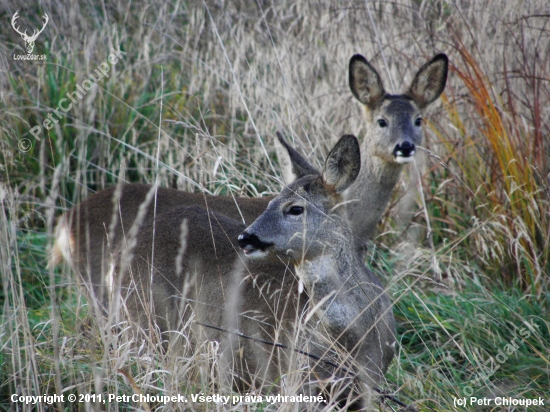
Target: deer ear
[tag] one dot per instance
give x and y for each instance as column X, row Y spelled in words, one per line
column 343, row 164
column 364, row 81
column 293, row 164
column 430, row 81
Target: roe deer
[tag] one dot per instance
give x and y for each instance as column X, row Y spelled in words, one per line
column 343, row 312
column 307, row 223
column 394, row 128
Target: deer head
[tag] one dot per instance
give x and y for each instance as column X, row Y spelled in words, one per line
column 29, row 40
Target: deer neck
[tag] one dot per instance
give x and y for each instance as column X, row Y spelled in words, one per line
column 369, row 196
column 337, row 265
column 340, row 288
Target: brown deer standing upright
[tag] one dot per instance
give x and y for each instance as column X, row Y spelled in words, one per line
column 176, row 276
column 394, row 128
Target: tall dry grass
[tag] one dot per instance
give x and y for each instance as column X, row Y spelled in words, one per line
column 234, row 73
column 510, row 159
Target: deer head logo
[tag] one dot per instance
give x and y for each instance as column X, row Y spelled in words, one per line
column 29, row 40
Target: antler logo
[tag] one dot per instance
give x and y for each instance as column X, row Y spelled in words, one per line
column 29, row 40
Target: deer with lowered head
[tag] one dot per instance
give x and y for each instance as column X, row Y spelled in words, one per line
column 394, row 130
column 299, row 281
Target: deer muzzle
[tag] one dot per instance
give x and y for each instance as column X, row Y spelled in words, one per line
column 404, row 152
column 252, row 245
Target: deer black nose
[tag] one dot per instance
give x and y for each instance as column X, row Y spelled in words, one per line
column 405, row 149
column 244, row 239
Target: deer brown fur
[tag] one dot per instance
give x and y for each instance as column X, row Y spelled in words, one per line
column 394, row 128
column 343, row 311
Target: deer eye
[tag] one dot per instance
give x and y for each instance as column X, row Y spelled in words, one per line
column 418, row 122
column 296, row 210
column 382, row 123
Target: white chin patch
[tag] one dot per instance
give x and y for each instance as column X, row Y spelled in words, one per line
column 403, row 159
column 256, row 254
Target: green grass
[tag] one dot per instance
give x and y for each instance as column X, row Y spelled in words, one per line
column 448, row 339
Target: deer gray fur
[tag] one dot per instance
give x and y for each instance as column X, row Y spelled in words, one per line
column 308, row 224
column 394, row 128
column 348, row 313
